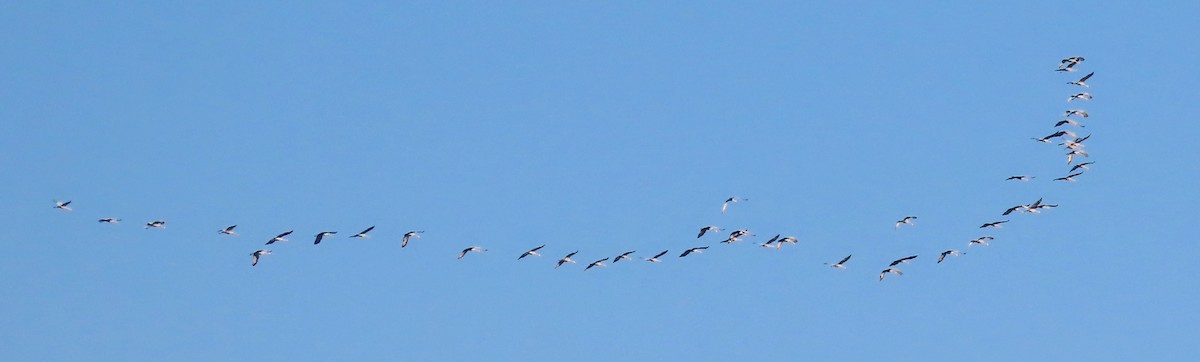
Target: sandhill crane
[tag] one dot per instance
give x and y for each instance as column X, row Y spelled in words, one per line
column 1019, row 178
column 1081, row 81
column 1081, row 95
column 696, row 250
column 903, row 260
column 624, row 255
column 279, row 237
column 889, row 270
column 1078, row 112
column 228, row 230
column 469, row 249
column 363, row 234
column 993, row 224
column 322, row 235
column 654, row 259
column 566, row 259
column 156, row 224
column 948, row 252
column 62, row 205
column 842, row 263
column 532, row 252
column 730, row 200
column 257, row 253
column 905, row 220
column 109, row 220
column 596, row 263
column 410, row 234
column 707, row 229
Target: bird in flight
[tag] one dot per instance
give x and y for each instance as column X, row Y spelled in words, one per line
column 279, row 237
column 1070, row 122
column 948, row 252
column 697, row 250
column 469, row 249
column 707, row 229
column 769, row 243
column 1071, row 155
column 733, row 236
column 1070, row 61
column 1015, row 208
column 566, row 259
column 1070, row 177
column 531, row 252
column 1081, row 81
column 257, row 253
column 906, row 220
column 410, row 234
column 1081, row 95
column 1019, row 178
column 903, row 260
column 889, row 270
column 1079, row 166
column 730, row 200
column 228, row 230
column 624, row 255
column 62, row 205
column 982, row 240
column 993, row 224
column 596, row 263
column 654, row 259
column 1078, row 112
column 1059, row 133
column 157, row 224
column 363, row 234
column 1068, row 67
column 842, row 263
column 109, row 220
column 321, row 235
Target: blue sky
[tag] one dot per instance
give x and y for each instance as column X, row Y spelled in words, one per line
column 601, row 128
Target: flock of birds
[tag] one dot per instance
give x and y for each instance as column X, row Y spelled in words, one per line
column 1071, row 142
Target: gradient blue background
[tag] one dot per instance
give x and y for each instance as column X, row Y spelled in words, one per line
column 601, row 128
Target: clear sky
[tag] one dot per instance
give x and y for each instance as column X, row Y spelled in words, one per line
column 598, row 127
